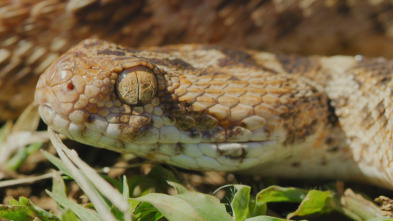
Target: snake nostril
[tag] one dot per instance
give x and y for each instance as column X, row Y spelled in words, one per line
column 70, row 86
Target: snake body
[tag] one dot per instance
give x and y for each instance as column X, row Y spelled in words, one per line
column 214, row 108
column 34, row 33
column 211, row 107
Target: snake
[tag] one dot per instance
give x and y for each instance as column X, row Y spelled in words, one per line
column 211, row 107
column 205, row 107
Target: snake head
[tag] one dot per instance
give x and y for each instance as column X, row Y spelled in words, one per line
column 96, row 94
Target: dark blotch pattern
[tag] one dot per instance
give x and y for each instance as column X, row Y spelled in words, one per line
column 111, row 52
column 172, row 63
column 293, row 64
column 236, row 58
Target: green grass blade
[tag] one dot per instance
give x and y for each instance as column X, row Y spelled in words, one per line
column 58, row 163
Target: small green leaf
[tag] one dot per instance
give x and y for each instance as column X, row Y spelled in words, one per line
column 315, row 202
column 281, row 194
column 144, row 211
column 14, row 202
column 24, row 201
column 276, row 194
column 240, row 202
column 179, row 188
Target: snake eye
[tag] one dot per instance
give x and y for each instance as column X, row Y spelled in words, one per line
column 136, row 86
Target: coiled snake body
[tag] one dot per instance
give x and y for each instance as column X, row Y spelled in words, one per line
column 214, row 108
